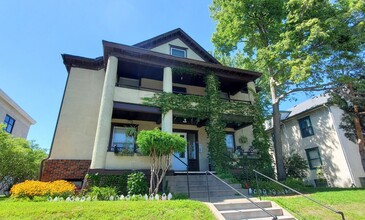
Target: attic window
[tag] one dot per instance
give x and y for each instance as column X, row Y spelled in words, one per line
column 178, row 51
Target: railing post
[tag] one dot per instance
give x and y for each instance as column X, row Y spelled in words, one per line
column 206, row 177
column 187, row 179
column 257, row 184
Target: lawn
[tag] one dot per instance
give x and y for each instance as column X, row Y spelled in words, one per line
column 177, row 209
column 350, row 201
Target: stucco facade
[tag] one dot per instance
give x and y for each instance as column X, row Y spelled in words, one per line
column 340, row 158
column 104, row 96
column 22, row 120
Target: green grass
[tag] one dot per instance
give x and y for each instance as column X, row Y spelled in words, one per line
column 177, row 209
column 350, row 201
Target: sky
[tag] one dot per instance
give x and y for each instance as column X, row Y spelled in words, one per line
column 34, row 34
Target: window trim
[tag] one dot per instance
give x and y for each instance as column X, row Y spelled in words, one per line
column 185, row 50
column 122, row 125
column 302, row 128
column 7, row 123
column 311, row 159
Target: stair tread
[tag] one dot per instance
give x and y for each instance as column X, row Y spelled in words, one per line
column 281, row 217
column 249, row 210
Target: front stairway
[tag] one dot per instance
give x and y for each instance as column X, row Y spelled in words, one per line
column 224, row 202
column 199, row 189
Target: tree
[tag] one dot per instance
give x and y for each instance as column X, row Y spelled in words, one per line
column 296, row 166
column 159, row 146
column 19, row 158
column 286, row 41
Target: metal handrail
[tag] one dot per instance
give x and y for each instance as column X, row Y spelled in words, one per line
column 307, row 197
column 187, row 172
column 254, row 203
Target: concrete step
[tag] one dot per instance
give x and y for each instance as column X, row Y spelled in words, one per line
column 216, row 193
column 270, row 218
column 203, row 187
column 224, row 206
column 250, row 213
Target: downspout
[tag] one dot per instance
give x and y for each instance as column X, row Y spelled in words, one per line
column 342, row 146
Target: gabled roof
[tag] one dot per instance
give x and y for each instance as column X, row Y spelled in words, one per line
column 174, row 34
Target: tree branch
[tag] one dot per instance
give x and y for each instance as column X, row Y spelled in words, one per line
column 311, row 88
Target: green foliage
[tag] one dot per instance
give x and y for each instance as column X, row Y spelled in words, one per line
column 297, row 45
column 119, row 182
column 137, row 183
column 180, row 196
column 158, row 143
column 102, row 193
column 141, row 210
column 19, row 158
column 295, row 166
column 159, row 146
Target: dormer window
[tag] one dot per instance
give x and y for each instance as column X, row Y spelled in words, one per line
column 178, row 51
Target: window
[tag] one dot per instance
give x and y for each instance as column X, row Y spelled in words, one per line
column 179, row 90
column 306, row 128
column 178, row 52
column 314, row 159
column 121, row 142
column 9, row 124
column 230, row 142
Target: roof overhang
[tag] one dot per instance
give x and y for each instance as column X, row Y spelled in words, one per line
column 139, row 55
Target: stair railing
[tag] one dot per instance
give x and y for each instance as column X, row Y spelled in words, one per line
column 297, row 192
column 250, row 200
column 187, row 172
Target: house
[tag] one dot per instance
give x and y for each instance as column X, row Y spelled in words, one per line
column 312, row 130
column 17, row 122
column 103, row 100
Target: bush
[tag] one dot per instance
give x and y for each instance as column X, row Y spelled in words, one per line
column 102, row 193
column 295, row 166
column 137, row 183
column 180, row 196
column 31, row 188
column 119, row 182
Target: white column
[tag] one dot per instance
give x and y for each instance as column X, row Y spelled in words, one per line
column 251, row 91
column 166, row 123
column 105, row 115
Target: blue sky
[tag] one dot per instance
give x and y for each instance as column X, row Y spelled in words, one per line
column 34, row 34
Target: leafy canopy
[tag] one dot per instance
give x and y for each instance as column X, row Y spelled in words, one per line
column 19, row 158
column 160, row 143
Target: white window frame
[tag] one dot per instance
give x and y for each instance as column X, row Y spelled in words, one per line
column 178, row 49
column 132, row 144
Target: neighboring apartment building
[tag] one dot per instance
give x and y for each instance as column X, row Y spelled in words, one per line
column 103, row 99
column 311, row 129
column 17, row 122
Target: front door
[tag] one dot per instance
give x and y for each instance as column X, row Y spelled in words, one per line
column 176, row 163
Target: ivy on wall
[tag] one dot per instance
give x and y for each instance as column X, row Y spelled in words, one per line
column 211, row 107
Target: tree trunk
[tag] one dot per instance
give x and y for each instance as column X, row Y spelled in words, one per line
column 358, row 129
column 277, row 131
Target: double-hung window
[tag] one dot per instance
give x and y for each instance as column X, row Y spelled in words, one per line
column 314, row 158
column 121, row 141
column 306, row 128
column 178, row 51
column 9, row 124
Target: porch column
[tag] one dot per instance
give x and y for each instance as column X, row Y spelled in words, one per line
column 105, row 115
column 166, row 122
column 251, row 91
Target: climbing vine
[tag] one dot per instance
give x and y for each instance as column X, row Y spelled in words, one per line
column 211, row 108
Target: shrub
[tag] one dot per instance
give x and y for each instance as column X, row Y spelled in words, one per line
column 31, row 188
column 119, row 182
column 180, row 196
column 137, row 183
column 102, row 193
column 295, row 166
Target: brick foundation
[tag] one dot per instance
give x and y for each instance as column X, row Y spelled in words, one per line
column 64, row 169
